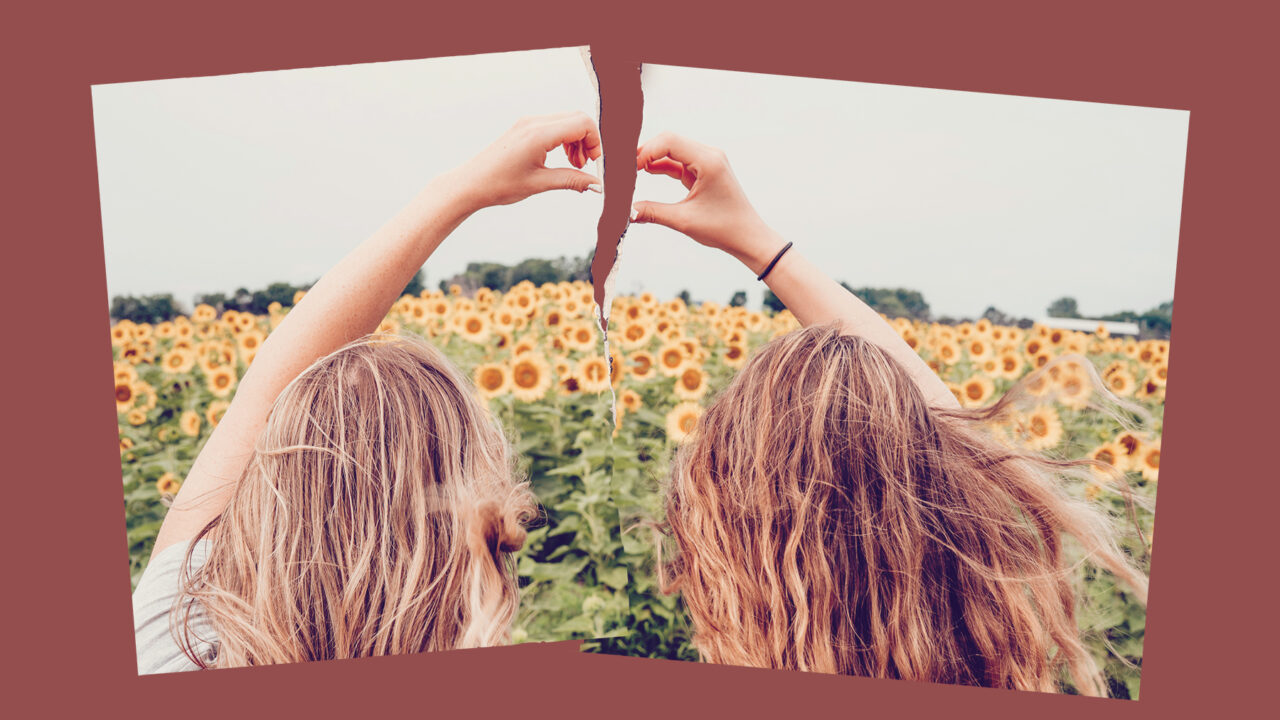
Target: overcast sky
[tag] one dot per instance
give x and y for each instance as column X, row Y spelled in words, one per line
column 210, row 184
column 973, row 199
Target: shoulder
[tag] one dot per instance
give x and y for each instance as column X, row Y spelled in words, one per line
column 158, row 650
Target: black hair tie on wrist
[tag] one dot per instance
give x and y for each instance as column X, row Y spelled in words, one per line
column 775, row 260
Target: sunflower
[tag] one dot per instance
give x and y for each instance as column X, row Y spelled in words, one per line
column 631, row 400
column 524, row 303
column 1042, row 428
column 1159, row 373
column 671, row 359
column 221, row 381
column 1149, row 461
column 504, row 317
column 579, row 336
column 125, row 443
column 204, row 313
column 1010, row 365
column 563, row 366
column 177, row 362
column 1149, row 389
column 250, row 340
column 492, row 379
column 136, row 416
column 388, row 326
column 947, row 352
column 976, row 391
column 593, row 373
column 124, row 372
column 1074, row 390
column 530, row 377
column 691, row 384
column 121, row 333
column 1034, row 347
column 215, row 411
column 978, row 348
column 682, row 419
column 1121, row 383
column 168, row 484
column 190, row 423
column 640, row 364
column 735, row 355
column 568, row 384
column 501, row 339
column 1146, row 353
column 635, row 334
column 1132, row 445
column 124, row 396
column 473, row 326
column 1109, row 455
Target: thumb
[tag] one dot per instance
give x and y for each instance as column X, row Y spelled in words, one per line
column 669, row 214
column 567, row 179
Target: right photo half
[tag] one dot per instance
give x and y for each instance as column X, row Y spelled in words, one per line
column 894, row 361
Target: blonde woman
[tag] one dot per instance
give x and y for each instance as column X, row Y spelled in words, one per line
column 835, row 510
column 356, row 499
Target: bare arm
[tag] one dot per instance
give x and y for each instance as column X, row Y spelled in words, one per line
column 716, row 213
column 354, row 296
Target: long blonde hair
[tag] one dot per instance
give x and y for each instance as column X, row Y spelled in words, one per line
column 376, row 516
column 827, row 518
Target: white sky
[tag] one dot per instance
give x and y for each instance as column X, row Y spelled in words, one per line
column 974, row 199
column 210, row 184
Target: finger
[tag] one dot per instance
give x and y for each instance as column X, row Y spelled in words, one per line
column 671, row 168
column 577, row 127
column 667, row 214
column 566, row 179
column 573, row 151
column 680, row 149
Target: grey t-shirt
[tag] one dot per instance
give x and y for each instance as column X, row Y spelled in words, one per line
column 153, row 601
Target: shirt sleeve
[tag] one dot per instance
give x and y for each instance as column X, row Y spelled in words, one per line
column 153, row 602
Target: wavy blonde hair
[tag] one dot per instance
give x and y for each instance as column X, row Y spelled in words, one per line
column 827, row 518
column 376, row 516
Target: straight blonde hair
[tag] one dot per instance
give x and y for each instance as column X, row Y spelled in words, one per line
column 376, row 516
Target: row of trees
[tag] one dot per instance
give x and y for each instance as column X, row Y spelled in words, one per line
column 497, row 276
column 893, row 302
column 161, row 307
column 1155, row 322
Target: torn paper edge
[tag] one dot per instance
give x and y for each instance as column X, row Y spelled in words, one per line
column 606, row 302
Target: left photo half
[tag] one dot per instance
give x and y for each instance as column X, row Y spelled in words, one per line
column 354, row 358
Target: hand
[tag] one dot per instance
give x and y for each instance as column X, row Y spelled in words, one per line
column 514, row 166
column 716, row 212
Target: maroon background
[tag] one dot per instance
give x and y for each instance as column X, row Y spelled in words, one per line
column 67, row 612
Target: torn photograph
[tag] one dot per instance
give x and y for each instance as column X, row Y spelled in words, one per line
column 891, row 368
column 357, row 375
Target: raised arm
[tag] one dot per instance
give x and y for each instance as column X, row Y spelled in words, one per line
column 716, row 213
column 354, row 296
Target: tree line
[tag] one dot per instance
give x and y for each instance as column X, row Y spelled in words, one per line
column 892, row 302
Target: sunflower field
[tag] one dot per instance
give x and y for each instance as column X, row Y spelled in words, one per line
column 534, row 352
